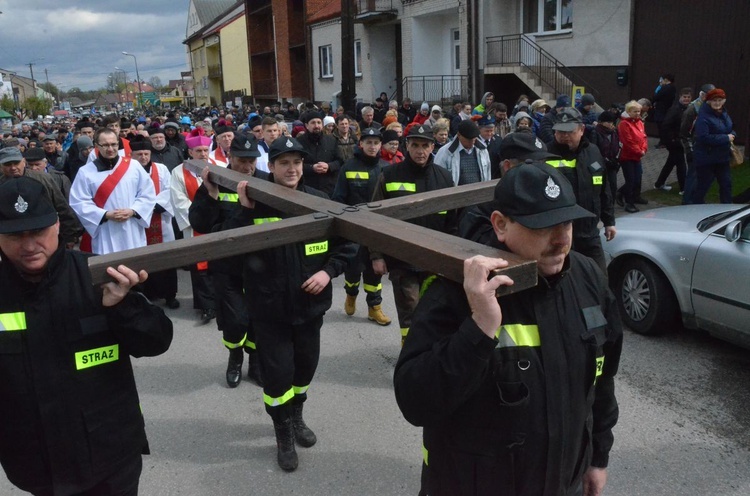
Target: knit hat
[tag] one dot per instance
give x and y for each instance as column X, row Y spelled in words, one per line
column 716, row 93
column 606, row 116
column 425, row 106
column 84, row 142
column 563, row 101
column 389, row 136
column 436, row 108
column 328, row 120
column 587, row 99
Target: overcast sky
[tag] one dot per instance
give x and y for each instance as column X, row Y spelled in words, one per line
column 80, row 42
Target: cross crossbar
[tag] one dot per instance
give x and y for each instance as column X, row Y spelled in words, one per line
column 379, row 226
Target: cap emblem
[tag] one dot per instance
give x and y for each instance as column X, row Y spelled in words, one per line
column 21, row 205
column 421, row 129
column 248, row 145
column 564, row 118
column 371, row 132
column 289, row 144
column 552, row 191
column 538, row 143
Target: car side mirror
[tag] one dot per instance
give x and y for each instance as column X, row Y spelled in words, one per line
column 733, row 231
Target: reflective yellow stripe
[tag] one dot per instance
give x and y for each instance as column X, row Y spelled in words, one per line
column 316, row 248
column 426, row 284
column 411, row 187
column 351, row 284
column 249, row 344
column 517, row 335
column 443, row 212
column 15, row 321
column 233, row 346
column 598, row 179
column 266, row 220
column 369, row 288
column 357, row 175
column 271, row 401
column 404, row 331
column 425, row 455
column 571, row 164
column 229, row 197
column 97, row 356
column 300, row 389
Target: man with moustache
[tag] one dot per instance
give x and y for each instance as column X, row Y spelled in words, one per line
column 516, row 394
column 323, row 159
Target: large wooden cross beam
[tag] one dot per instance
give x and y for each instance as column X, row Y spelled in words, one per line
column 380, row 226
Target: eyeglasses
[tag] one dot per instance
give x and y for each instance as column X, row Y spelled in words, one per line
column 107, row 145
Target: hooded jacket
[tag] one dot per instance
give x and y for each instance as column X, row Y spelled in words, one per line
column 632, row 138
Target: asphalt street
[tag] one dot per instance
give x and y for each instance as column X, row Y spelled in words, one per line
column 684, row 427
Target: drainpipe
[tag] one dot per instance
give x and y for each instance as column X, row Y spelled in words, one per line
column 470, row 75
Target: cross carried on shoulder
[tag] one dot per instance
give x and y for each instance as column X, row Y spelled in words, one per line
column 380, row 226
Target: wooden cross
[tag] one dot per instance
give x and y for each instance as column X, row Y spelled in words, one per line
column 380, row 226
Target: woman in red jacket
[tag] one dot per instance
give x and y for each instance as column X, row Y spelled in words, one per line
column 634, row 147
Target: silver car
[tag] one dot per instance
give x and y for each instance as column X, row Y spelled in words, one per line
column 688, row 264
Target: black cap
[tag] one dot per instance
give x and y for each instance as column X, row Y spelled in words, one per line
column 253, row 121
column 370, row 132
column 607, row 116
column 310, row 115
column 155, row 130
column 524, row 146
column 34, row 154
column 468, row 129
column 139, row 143
column 284, row 144
column 422, row 131
column 567, row 120
column 243, row 147
column 25, row 206
column 537, row 196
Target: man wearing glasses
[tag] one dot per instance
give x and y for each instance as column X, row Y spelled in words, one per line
column 114, row 199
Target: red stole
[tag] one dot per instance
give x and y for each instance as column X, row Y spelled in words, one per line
column 154, row 234
column 103, row 193
column 191, row 186
column 219, row 154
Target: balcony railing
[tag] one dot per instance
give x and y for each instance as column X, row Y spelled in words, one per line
column 375, row 10
column 435, row 89
column 214, row 71
column 519, row 50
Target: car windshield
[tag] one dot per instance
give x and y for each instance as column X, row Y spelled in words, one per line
column 714, row 219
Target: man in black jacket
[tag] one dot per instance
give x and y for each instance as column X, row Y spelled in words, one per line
column 323, row 159
column 288, row 291
column 71, row 416
column 516, row 394
column 582, row 164
column 162, row 152
column 417, row 174
column 211, row 207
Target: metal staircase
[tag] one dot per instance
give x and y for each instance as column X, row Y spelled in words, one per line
column 541, row 72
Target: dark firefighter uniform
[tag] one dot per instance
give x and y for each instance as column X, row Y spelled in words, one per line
column 403, row 179
column 356, row 184
column 529, row 411
column 584, row 168
column 208, row 215
column 70, row 415
column 286, row 319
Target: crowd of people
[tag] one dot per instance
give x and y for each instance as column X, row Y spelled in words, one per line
column 107, row 184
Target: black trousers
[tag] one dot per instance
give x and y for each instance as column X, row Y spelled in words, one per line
column 360, row 266
column 676, row 158
column 123, row 482
column 203, row 289
column 232, row 316
column 406, row 286
column 288, row 356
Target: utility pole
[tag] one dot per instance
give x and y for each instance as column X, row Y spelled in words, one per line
column 347, row 55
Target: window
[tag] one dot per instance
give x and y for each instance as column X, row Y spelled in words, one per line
column 547, row 16
column 358, row 58
column 325, row 54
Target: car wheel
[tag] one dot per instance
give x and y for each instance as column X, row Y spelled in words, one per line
column 647, row 303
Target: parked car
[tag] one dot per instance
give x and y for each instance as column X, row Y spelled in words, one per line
column 686, row 264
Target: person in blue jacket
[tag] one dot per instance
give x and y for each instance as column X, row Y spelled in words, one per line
column 711, row 151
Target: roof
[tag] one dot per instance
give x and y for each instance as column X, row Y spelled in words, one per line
column 203, row 12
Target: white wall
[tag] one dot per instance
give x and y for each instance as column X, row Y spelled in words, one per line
column 379, row 62
column 600, row 36
column 431, row 44
column 328, row 33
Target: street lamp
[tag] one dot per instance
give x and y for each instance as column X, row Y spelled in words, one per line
column 140, row 93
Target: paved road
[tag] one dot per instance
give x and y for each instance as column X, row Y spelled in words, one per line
column 684, row 427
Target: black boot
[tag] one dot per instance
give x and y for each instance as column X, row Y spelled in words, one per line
column 305, row 437
column 253, row 367
column 287, row 455
column 234, row 367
